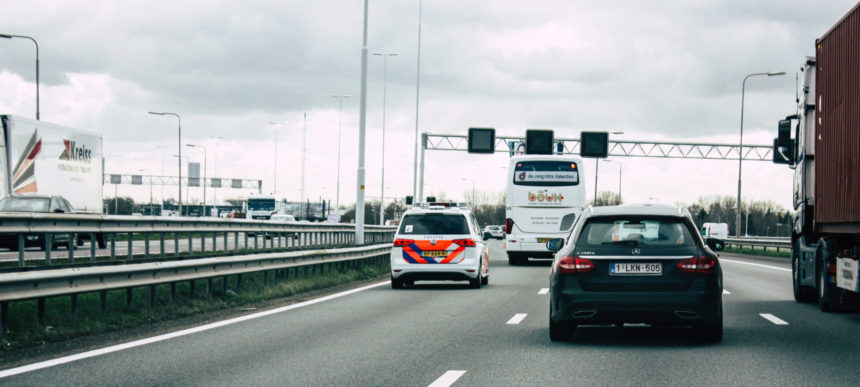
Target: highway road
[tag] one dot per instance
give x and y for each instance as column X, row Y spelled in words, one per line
column 445, row 333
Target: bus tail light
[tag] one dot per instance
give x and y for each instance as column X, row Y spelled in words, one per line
column 509, row 225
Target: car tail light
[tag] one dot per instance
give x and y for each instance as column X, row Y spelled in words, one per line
column 465, row 242
column 509, row 225
column 574, row 265
column 701, row 265
column 403, row 242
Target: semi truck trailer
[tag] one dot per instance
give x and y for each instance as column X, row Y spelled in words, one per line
column 821, row 142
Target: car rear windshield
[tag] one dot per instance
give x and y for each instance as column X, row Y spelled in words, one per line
column 546, row 173
column 25, row 205
column 440, row 224
column 635, row 230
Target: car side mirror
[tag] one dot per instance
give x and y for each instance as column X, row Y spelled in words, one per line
column 555, row 244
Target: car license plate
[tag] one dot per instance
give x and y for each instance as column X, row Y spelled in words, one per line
column 636, row 269
column 543, row 240
column 442, row 253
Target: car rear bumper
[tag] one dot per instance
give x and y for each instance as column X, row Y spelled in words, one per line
column 435, row 272
column 670, row 308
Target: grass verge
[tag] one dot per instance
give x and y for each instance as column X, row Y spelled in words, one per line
column 24, row 330
column 760, row 252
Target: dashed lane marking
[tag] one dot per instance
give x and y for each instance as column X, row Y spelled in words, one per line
column 773, row 319
column 447, row 379
column 518, row 318
column 543, row 291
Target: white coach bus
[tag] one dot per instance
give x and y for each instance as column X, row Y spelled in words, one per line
column 545, row 196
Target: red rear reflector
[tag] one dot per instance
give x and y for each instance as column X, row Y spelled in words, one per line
column 574, row 265
column 509, row 225
column 701, row 265
column 403, row 242
column 465, row 242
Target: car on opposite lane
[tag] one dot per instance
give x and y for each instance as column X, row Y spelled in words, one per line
column 635, row 264
column 439, row 242
column 33, row 203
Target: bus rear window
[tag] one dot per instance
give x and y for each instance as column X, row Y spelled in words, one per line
column 546, row 173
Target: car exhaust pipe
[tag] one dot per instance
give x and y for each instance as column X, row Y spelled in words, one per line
column 584, row 314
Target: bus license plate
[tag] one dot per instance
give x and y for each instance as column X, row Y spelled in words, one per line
column 636, row 269
column 543, row 240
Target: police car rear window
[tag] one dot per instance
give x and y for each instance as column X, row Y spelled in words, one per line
column 439, row 224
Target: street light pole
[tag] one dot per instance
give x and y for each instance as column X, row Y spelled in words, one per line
column 9, row 36
column 179, row 157
column 215, row 173
column 418, row 189
column 741, row 146
column 596, row 165
column 362, row 116
column 339, row 115
column 276, row 124
column 384, row 91
column 204, row 174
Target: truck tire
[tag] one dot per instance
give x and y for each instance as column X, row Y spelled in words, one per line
column 823, row 286
column 102, row 240
column 802, row 293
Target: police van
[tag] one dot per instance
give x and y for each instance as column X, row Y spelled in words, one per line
column 439, row 242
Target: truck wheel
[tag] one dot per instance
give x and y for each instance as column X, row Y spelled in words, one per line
column 823, row 286
column 801, row 293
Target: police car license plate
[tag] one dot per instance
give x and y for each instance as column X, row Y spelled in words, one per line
column 636, row 269
column 441, row 253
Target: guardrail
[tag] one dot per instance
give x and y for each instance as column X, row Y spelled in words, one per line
column 43, row 229
column 764, row 243
column 42, row 284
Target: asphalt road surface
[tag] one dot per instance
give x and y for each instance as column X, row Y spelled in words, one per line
column 445, row 333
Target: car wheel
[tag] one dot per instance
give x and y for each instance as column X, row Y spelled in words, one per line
column 712, row 332
column 485, row 280
column 396, row 283
column 476, row 282
column 801, row 293
column 560, row 331
column 79, row 241
column 513, row 259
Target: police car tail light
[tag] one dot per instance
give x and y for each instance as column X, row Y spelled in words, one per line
column 465, row 242
column 509, row 225
column 403, row 242
column 702, row 265
column 574, row 265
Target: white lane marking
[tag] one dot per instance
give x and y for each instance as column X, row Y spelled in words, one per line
column 543, row 291
column 518, row 318
column 447, row 379
column 726, row 291
column 756, row 264
column 773, row 319
column 168, row 336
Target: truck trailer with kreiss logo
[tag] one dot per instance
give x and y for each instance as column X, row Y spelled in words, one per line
column 37, row 157
column 545, row 195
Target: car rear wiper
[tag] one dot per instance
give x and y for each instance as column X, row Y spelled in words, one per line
column 632, row 242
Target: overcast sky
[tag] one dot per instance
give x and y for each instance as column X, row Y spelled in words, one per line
column 656, row 70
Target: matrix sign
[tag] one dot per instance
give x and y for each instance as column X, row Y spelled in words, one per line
column 594, row 144
column 482, row 140
column 538, row 142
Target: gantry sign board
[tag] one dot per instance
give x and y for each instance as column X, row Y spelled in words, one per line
column 676, row 150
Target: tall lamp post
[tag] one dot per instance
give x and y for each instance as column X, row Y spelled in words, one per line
column 741, row 146
column 384, row 91
column 339, row 115
column 9, row 36
column 619, row 176
column 179, row 157
column 204, row 174
column 215, row 173
column 276, row 124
